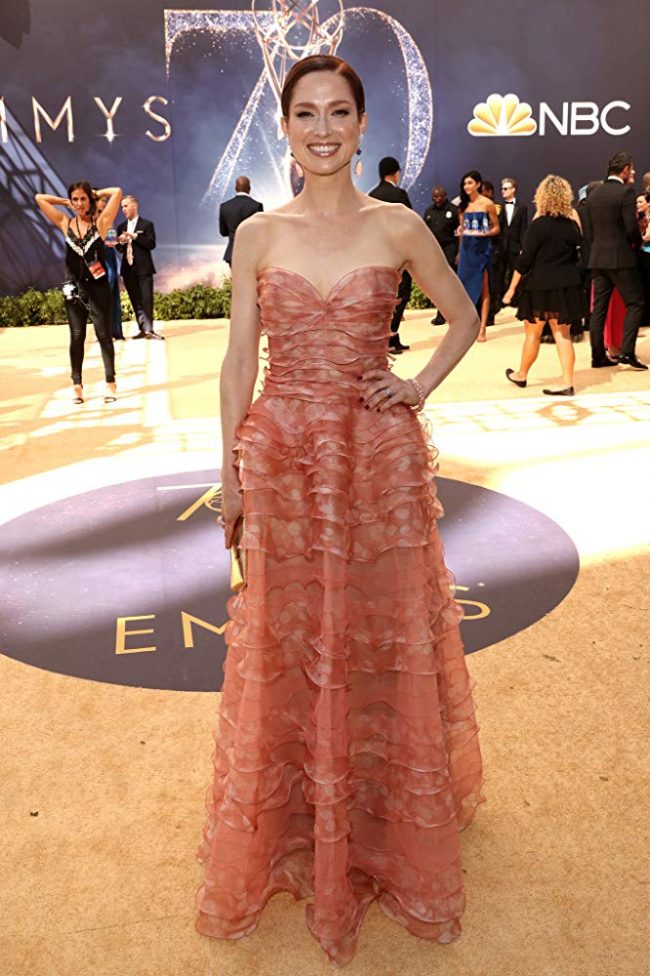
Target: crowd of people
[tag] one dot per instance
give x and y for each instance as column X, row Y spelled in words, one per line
column 567, row 271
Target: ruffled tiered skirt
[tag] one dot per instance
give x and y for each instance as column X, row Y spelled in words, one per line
column 347, row 758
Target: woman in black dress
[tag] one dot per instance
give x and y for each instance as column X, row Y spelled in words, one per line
column 551, row 287
column 87, row 290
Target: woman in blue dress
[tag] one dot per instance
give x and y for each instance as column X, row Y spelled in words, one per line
column 479, row 223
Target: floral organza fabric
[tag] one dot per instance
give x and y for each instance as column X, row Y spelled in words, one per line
column 347, row 758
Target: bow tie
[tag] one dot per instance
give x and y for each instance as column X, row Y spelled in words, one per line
column 510, row 203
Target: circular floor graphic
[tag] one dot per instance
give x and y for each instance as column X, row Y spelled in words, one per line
column 128, row 584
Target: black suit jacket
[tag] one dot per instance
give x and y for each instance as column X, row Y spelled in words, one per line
column 512, row 234
column 231, row 214
column 143, row 245
column 390, row 193
column 611, row 226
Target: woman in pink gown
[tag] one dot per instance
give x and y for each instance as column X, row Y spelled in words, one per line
column 347, row 758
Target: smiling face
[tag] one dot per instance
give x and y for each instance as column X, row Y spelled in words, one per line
column 323, row 126
column 642, row 205
column 470, row 186
column 439, row 197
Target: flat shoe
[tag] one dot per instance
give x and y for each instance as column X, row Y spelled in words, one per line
column 520, row 383
column 567, row 391
column 78, row 400
column 109, row 398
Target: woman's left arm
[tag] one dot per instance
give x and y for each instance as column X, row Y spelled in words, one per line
column 108, row 215
column 495, row 226
column 424, row 260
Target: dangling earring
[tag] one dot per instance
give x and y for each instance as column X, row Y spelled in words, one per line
column 296, row 168
column 358, row 166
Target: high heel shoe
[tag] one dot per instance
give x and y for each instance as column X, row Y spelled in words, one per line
column 78, row 389
column 110, row 396
column 519, row 383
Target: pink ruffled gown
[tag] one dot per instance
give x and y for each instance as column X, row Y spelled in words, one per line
column 347, row 757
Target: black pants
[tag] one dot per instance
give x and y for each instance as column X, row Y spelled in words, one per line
column 140, row 292
column 628, row 282
column 97, row 296
column 403, row 295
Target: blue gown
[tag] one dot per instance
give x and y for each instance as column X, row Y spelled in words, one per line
column 475, row 253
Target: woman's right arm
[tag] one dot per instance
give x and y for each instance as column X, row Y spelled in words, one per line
column 49, row 204
column 240, row 364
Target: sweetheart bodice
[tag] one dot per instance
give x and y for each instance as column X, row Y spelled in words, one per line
column 318, row 345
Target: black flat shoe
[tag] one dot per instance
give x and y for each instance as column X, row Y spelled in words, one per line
column 631, row 361
column 603, row 363
column 520, row 383
column 567, row 391
column 139, row 335
column 154, row 335
column 439, row 320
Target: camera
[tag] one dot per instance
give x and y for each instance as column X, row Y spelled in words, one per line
column 70, row 291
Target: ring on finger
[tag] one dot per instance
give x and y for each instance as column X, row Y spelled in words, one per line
column 387, row 392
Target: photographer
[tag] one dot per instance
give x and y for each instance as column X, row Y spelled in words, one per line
column 86, row 288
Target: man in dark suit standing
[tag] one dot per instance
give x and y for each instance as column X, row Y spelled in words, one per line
column 232, row 212
column 136, row 240
column 442, row 220
column 389, row 191
column 612, row 231
column 513, row 220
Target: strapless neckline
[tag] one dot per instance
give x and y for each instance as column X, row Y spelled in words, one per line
column 348, row 274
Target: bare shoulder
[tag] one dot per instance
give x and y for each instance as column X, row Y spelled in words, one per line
column 393, row 219
column 254, row 232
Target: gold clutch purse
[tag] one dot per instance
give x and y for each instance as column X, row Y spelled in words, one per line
column 238, row 558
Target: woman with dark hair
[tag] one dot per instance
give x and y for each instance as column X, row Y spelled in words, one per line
column 346, row 759
column 479, row 223
column 86, row 287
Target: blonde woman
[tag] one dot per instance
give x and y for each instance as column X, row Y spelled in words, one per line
column 551, row 290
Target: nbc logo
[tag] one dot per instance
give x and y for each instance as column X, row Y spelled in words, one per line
column 505, row 115
column 502, row 115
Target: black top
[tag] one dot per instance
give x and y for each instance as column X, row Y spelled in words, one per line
column 611, row 226
column 143, row 245
column 443, row 223
column 82, row 251
column 550, row 255
column 232, row 213
column 390, row 193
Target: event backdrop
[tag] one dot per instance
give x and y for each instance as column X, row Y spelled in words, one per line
column 173, row 103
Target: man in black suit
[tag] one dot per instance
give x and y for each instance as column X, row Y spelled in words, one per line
column 513, row 220
column 442, row 220
column 389, row 191
column 234, row 211
column 136, row 240
column 612, row 230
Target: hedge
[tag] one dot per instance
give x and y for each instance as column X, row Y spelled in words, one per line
column 198, row 302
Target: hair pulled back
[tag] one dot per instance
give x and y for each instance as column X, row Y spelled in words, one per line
column 322, row 62
column 88, row 190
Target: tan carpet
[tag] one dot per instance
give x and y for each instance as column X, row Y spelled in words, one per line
column 103, row 786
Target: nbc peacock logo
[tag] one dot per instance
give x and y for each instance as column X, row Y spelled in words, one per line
column 502, row 115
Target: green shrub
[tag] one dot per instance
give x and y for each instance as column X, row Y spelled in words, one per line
column 8, row 311
column 418, row 299
column 48, row 307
